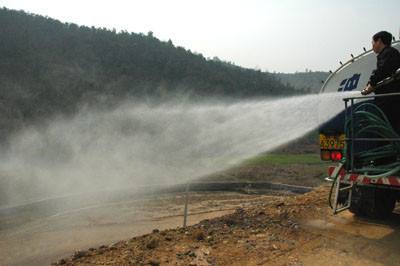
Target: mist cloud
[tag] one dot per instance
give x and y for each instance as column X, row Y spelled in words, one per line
column 138, row 144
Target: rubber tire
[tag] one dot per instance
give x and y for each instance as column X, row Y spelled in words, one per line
column 370, row 202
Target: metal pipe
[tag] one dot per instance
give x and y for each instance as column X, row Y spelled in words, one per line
column 375, row 139
column 352, row 134
column 185, row 211
column 372, row 96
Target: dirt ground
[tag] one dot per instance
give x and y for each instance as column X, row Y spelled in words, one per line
column 281, row 230
column 309, row 175
column 42, row 234
column 225, row 228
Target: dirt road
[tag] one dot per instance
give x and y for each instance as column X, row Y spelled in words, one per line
column 41, row 233
column 293, row 230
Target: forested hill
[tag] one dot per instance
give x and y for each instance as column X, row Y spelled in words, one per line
column 49, row 67
column 308, row 82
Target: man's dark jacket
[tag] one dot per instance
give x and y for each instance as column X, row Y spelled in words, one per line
column 388, row 62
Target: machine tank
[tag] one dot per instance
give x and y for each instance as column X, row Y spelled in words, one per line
column 354, row 74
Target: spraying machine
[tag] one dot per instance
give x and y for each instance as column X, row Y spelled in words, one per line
column 363, row 143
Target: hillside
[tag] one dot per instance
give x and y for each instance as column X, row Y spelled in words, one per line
column 308, row 82
column 49, row 67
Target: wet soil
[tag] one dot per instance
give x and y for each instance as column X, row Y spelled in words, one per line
column 41, row 234
column 282, row 230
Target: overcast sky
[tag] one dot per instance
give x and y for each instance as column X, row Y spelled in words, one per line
column 273, row 35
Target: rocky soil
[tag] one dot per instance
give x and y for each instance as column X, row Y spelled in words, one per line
column 289, row 230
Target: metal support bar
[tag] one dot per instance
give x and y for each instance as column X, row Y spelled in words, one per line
column 345, row 188
column 374, row 139
column 372, row 96
column 185, row 211
column 329, row 179
column 352, row 133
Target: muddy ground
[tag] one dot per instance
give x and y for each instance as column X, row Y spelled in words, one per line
column 226, row 228
column 289, row 230
column 42, row 233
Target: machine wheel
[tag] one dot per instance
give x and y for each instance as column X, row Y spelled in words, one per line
column 377, row 203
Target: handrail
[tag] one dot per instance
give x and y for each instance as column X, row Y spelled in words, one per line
column 371, row 96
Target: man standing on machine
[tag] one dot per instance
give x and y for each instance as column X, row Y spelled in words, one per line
column 388, row 61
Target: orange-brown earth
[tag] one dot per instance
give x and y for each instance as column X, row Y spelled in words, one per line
column 289, row 230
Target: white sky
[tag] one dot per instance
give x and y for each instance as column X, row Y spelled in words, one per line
column 273, row 35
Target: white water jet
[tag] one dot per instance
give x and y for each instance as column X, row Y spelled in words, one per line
column 137, row 144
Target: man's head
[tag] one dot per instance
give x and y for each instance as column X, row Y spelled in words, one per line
column 380, row 40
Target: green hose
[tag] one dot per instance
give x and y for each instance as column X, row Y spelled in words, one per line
column 369, row 120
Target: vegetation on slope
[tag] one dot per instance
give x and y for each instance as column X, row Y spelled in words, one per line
column 49, row 67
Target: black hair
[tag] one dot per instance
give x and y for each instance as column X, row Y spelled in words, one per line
column 386, row 37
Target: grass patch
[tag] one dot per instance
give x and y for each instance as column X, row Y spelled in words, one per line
column 284, row 159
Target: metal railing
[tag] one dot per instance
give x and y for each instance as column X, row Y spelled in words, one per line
column 350, row 118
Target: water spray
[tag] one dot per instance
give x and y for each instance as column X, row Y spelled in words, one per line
column 137, row 144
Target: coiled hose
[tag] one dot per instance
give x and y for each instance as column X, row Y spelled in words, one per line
column 376, row 159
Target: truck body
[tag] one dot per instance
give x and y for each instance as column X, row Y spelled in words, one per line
column 363, row 181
